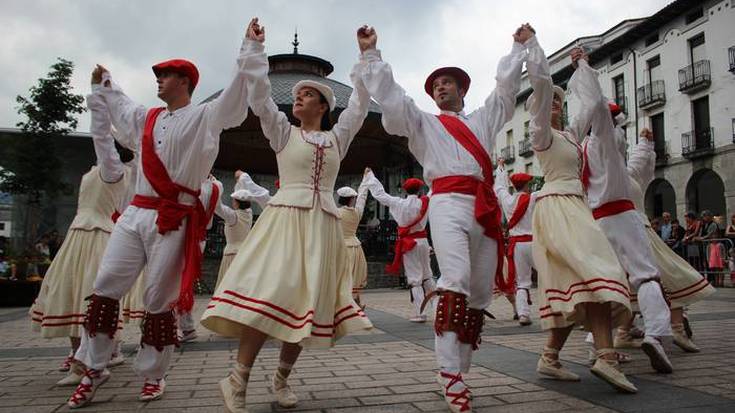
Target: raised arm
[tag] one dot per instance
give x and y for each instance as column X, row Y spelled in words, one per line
column 110, row 166
column 500, row 186
column 230, row 108
column 274, row 123
column 400, row 115
column 539, row 103
column 221, row 210
column 351, row 119
column 642, row 162
column 260, row 195
column 500, row 105
column 593, row 108
column 126, row 116
column 362, row 193
column 378, row 192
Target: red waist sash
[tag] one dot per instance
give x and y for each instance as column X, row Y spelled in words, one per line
column 612, row 208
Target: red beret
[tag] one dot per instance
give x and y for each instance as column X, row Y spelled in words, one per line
column 462, row 78
column 180, row 66
column 520, row 179
column 614, row 109
column 278, row 184
column 412, row 184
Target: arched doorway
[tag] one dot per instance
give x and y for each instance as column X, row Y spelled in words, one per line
column 705, row 190
column 660, row 198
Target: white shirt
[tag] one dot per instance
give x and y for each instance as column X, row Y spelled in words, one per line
column 187, row 139
column 260, row 195
column 438, row 152
column 275, row 124
column 641, row 168
column 609, row 176
column 108, row 159
column 509, row 202
column 403, row 210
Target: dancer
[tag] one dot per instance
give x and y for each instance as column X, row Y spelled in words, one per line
column 58, row 311
column 351, row 206
column 518, row 210
column 453, row 149
column 579, row 278
column 164, row 224
column 412, row 244
column 683, row 284
column 238, row 221
column 608, row 195
column 289, row 279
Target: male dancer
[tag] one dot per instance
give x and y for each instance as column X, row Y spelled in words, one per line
column 453, row 149
column 606, row 181
column 412, row 246
column 165, row 222
column 518, row 210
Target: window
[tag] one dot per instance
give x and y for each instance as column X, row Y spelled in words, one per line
column 696, row 48
column 654, row 68
column 509, row 138
column 619, row 88
column 651, row 39
column 529, row 167
column 526, row 134
column 616, row 58
column 2, row 226
column 694, row 16
column 657, row 127
column 700, row 113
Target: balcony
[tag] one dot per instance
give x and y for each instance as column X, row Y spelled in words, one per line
column 662, row 153
column 698, row 143
column 731, row 52
column 695, row 77
column 524, row 148
column 652, row 95
column 508, row 153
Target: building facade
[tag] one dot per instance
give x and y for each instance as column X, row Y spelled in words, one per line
column 674, row 73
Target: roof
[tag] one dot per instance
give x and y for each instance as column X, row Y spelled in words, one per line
column 282, row 83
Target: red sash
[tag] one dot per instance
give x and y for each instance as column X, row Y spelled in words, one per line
column 512, row 241
column 487, row 210
column 115, row 216
column 612, row 208
column 171, row 213
column 524, row 199
column 407, row 240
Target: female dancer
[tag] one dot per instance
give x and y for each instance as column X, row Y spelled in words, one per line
column 289, row 281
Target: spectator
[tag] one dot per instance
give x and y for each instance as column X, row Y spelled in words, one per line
column 730, row 232
column 677, row 234
column 656, row 226
column 665, row 226
column 691, row 246
column 42, row 247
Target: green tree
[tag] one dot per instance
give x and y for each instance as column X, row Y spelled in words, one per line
column 32, row 168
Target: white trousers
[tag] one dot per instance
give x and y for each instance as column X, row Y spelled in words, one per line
column 627, row 235
column 134, row 243
column 419, row 292
column 523, row 260
column 467, row 260
column 186, row 321
column 417, row 267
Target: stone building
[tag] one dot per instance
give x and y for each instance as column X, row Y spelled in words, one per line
column 673, row 72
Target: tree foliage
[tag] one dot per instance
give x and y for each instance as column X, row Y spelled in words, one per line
column 32, row 167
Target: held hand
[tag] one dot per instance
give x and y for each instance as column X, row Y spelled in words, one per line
column 238, row 174
column 501, row 162
column 367, row 38
column 524, row 33
column 255, row 31
column 647, row 134
column 97, row 73
column 576, row 54
column 367, row 171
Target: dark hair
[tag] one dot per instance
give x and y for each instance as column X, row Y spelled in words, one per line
column 675, row 221
column 191, row 85
column 413, row 191
column 691, row 215
column 326, row 123
column 344, row 200
column 243, row 204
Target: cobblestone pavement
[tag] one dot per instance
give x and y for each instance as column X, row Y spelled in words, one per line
column 388, row 369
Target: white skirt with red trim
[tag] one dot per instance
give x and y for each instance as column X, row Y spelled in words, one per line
column 224, row 265
column 357, row 267
column 60, row 307
column 575, row 264
column 683, row 285
column 289, row 280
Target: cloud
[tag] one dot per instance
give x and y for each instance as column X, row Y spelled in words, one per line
column 414, row 36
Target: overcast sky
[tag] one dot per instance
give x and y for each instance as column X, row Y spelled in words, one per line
column 127, row 36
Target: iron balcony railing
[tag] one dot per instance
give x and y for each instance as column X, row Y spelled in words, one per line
column 731, row 53
column 652, row 95
column 695, row 77
column 524, row 148
column 697, row 143
column 508, row 153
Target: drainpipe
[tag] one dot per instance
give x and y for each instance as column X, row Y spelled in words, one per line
column 635, row 92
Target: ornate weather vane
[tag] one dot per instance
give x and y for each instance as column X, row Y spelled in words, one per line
column 295, row 42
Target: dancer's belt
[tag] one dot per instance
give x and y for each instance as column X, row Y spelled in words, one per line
column 405, row 243
column 612, row 208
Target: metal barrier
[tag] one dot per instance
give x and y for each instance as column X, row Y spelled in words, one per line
column 714, row 259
